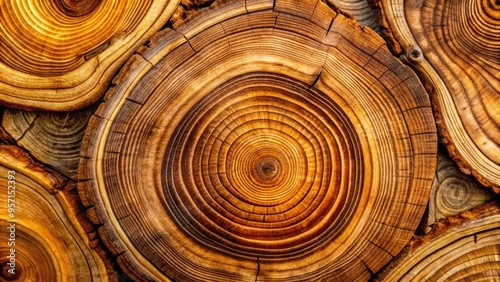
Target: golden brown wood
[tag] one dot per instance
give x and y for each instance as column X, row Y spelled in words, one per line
column 60, row 55
column 454, row 44
column 360, row 10
column 260, row 141
column 465, row 247
column 52, row 138
column 45, row 236
column 253, row 140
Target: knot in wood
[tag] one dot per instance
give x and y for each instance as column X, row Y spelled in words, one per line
column 414, row 55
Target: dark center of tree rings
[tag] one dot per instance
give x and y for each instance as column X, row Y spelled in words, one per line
column 268, row 168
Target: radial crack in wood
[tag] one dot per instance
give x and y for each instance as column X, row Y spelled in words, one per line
column 60, row 55
column 282, row 133
column 459, row 43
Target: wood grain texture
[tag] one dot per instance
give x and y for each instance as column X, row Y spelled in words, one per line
column 260, row 141
column 465, row 247
column 454, row 192
column 454, row 44
column 60, row 55
column 188, row 9
column 52, row 138
column 361, row 11
column 54, row 241
column 384, row 25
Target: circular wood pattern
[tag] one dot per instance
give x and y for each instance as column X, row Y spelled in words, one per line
column 61, row 54
column 360, row 10
column 52, row 138
column 454, row 192
column 462, row 248
column 266, row 168
column 460, row 42
column 271, row 141
column 50, row 239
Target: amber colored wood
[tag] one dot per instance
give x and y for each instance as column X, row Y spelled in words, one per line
column 361, row 11
column 260, row 140
column 61, row 55
column 454, row 45
column 52, row 138
column 54, row 241
column 454, row 192
column 465, row 247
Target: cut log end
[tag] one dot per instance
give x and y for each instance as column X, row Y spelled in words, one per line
column 460, row 45
column 462, row 247
column 263, row 139
column 46, row 235
column 60, row 55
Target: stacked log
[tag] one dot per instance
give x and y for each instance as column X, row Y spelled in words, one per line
column 238, row 140
column 52, row 138
column 464, row 247
column 454, row 192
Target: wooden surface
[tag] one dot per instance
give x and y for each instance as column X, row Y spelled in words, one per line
column 61, row 55
column 359, row 10
column 455, row 46
column 265, row 142
column 454, row 192
column 52, row 138
column 53, row 240
column 461, row 248
column 287, row 140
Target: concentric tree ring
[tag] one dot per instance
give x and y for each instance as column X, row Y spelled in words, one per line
column 241, row 127
column 454, row 192
column 41, row 222
column 459, row 41
column 60, row 55
column 464, row 247
column 238, row 145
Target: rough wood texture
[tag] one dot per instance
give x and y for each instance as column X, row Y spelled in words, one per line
column 360, row 10
column 53, row 241
column 60, row 55
column 462, row 248
column 260, row 141
column 188, row 9
column 254, row 140
column 455, row 46
column 52, row 138
column 454, row 192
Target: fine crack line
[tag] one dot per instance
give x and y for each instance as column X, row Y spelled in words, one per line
column 258, row 269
